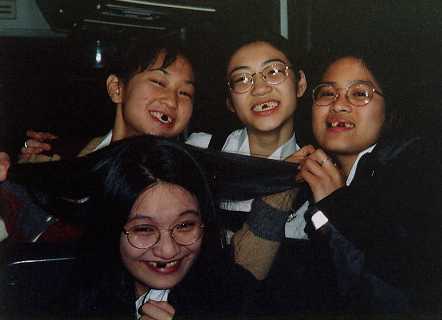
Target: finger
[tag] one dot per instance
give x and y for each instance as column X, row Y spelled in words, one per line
column 30, row 143
column 40, row 135
column 164, row 305
column 314, row 168
column 157, row 310
column 30, row 151
column 299, row 178
column 319, row 156
column 300, row 154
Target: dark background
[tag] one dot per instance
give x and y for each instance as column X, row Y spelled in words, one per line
column 52, row 83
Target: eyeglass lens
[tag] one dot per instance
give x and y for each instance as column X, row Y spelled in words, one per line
column 358, row 94
column 273, row 74
column 144, row 236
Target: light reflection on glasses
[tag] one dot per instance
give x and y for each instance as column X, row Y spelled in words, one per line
column 242, row 82
column 145, row 236
column 358, row 93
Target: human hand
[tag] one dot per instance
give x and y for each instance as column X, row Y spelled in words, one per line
column 5, row 163
column 36, row 144
column 156, row 310
column 321, row 174
column 299, row 156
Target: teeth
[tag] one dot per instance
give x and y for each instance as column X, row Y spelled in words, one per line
column 162, row 265
column 340, row 124
column 162, row 117
column 265, row 106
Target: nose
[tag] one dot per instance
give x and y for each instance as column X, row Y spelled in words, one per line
column 170, row 98
column 341, row 104
column 260, row 87
column 166, row 248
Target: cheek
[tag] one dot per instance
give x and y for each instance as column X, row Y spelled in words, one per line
column 195, row 249
column 186, row 110
column 319, row 116
column 238, row 101
column 374, row 120
column 138, row 92
column 127, row 251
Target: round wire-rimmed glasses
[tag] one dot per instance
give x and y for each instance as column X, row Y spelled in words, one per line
column 273, row 74
column 359, row 93
column 145, row 236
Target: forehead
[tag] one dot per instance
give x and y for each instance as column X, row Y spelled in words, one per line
column 348, row 69
column 163, row 202
column 254, row 54
column 180, row 67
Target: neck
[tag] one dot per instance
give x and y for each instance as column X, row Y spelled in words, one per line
column 140, row 289
column 345, row 163
column 119, row 131
column 263, row 144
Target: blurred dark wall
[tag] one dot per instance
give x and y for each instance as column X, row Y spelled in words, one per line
column 52, row 84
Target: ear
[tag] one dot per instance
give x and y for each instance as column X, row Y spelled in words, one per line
column 301, row 85
column 230, row 105
column 114, row 88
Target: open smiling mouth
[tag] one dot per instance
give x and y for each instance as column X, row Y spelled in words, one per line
column 162, row 117
column 266, row 106
column 164, row 265
column 340, row 124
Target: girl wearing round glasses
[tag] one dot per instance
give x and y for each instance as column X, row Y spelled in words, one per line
column 153, row 247
column 263, row 82
column 375, row 203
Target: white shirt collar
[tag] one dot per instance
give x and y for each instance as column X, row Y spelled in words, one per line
column 152, row 294
column 238, row 142
column 351, row 175
column 105, row 142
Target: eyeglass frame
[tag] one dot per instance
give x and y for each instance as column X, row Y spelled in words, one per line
column 347, row 87
column 170, row 230
column 252, row 76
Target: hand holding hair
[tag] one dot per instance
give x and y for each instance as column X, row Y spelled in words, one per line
column 36, row 144
column 321, row 174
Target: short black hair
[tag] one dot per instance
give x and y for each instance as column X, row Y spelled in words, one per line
column 139, row 54
column 240, row 39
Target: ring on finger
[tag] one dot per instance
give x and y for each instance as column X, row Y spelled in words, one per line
column 323, row 161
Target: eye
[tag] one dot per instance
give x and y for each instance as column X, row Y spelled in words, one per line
column 143, row 229
column 187, row 94
column 158, row 82
column 360, row 91
column 186, row 226
column 326, row 91
column 240, row 78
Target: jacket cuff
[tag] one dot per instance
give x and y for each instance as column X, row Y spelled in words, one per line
column 267, row 222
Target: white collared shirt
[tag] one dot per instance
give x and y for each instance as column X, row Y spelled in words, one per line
column 152, row 294
column 105, row 142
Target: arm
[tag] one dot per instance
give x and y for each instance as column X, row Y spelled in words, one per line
column 257, row 242
column 384, row 231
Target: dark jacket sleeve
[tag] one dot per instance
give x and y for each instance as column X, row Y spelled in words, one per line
column 384, row 231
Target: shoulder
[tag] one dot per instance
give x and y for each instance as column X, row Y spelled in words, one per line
column 91, row 146
column 199, row 139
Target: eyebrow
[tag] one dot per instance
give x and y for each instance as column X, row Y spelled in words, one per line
column 167, row 73
column 139, row 217
column 262, row 64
